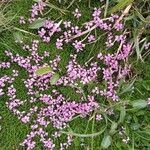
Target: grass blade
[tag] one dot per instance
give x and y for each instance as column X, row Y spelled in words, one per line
column 121, row 4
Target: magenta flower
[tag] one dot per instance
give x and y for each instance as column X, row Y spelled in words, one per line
column 96, row 13
column 56, row 109
column 41, row 32
column 78, row 45
column 91, row 38
column 59, row 43
column 22, row 20
column 119, row 26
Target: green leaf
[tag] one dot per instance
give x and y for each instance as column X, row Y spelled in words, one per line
column 18, row 37
column 128, row 87
column 121, row 4
column 85, row 135
column 129, row 17
column 139, row 104
column 43, row 70
column 141, row 16
column 147, row 18
column 135, row 126
column 54, row 79
column 106, row 142
column 88, row 135
column 37, row 24
column 136, row 43
column 122, row 115
column 113, row 128
column 56, row 8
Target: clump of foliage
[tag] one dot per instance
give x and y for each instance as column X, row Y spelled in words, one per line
column 95, row 77
column 5, row 16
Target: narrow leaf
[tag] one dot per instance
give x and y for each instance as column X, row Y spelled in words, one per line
column 113, row 128
column 122, row 115
column 139, row 104
column 18, row 37
column 56, row 8
column 121, row 4
column 128, row 87
column 54, row 79
column 37, row 24
column 146, row 84
column 106, row 142
column 43, row 70
column 136, row 44
column 84, row 135
column 141, row 16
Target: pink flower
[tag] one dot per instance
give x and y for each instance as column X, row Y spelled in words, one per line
column 100, row 56
column 77, row 13
column 96, row 13
column 25, row 119
column 99, row 117
column 67, row 24
column 22, row 20
column 59, row 43
column 46, row 54
column 78, row 45
column 148, row 101
column 147, row 45
column 119, row 26
column 1, row 92
column 49, row 144
column 41, row 5
column 91, row 38
column 41, row 32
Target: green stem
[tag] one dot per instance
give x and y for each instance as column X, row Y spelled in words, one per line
column 24, row 31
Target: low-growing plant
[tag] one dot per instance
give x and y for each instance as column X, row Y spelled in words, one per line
column 93, row 88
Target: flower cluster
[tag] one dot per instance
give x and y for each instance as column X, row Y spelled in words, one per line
column 56, row 110
column 72, row 32
column 113, row 72
column 4, row 65
column 36, row 9
column 75, row 72
column 49, row 28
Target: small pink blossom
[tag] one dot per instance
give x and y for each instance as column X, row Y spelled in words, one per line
column 67, row 24
column 148, row 101
column 77, row 13
column 22, row 20
column 91, row 38
column 99, row 117
column 59, row 43
column 78, row 45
